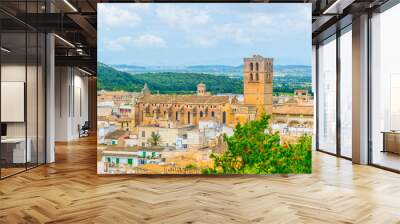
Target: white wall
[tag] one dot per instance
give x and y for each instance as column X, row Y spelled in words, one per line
column 71, row 102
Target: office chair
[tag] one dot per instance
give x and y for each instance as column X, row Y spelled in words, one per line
column 84, row 130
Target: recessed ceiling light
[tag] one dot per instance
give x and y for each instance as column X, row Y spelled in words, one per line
column 70, row 5
column 64, row 40
column 5, row 50
column 86, row 72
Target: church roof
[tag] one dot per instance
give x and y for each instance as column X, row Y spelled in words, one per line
column 188, row 99
column 294, row 110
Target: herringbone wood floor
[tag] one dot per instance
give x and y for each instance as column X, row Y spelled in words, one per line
column 69, row 191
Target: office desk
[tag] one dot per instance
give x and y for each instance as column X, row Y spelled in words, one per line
column 391, row 141
column 13, row 150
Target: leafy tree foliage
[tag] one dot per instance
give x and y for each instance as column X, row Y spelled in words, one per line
column 254, row 149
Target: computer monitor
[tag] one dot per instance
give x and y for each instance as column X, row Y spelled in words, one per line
column 3, row 130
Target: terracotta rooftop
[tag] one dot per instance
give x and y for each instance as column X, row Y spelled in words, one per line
column 188, row 99
column 116, row 134
column 294, row 110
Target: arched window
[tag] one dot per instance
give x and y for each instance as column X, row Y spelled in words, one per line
column 188, row 117
column 201, row 113
column 251, row 76
column 257, row 76
column 251, row 66
column 212, row 114
column 176, row 115
column 257, row 66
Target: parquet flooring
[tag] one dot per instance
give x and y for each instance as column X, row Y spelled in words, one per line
column 70, row 191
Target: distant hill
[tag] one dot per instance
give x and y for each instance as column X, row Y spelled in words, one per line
column 164, row 82
column 225, row 70
column 110, row 79
column 215, row 68
column 218, row 78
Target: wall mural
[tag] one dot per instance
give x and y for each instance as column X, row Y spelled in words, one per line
column 204, row 89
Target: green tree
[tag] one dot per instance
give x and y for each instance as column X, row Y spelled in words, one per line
column 154, row 139
column 254, row 149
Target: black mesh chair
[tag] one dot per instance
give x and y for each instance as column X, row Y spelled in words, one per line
column 84, row 130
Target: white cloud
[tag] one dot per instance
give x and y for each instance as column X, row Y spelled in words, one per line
column 204, row 26
column 182, row 18
column 118, row 44
column 146, row 40
column 117, row 16
column 149, row 40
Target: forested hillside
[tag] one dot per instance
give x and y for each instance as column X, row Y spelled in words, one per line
column 180, row 82
column 165, row 82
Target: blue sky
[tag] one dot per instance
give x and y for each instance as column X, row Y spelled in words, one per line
column 203, row 34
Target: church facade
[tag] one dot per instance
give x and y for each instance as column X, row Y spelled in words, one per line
column 184, row 110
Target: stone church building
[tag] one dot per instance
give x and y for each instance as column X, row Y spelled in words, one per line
column 181, row 110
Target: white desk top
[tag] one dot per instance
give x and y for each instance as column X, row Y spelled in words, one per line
column 13, row 140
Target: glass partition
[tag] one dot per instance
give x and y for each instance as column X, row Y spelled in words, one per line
column 13, row 91
column 22, row 77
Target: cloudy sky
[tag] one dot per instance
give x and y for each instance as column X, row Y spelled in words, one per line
column 203, row 34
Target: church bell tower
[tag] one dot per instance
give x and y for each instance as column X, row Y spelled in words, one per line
column 258, row 75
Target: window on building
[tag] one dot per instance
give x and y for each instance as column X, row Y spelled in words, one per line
column 212, row 114
column 143, row 134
